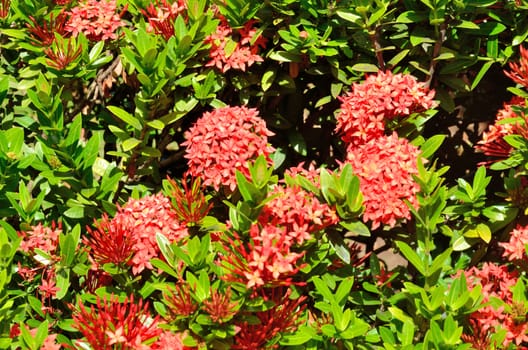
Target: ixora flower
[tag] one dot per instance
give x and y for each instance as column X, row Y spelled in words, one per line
column 515, row 248
column 97, row 19
column 266, row 261
column 44, row 34
column 381, row 96
column 227, row 53
column 385, row 167
column 223, row 141
column 283, row 317
column 298, row 211
column 41, row 237
column 519, row 71
column 161, row 16
column 110, row 324
column 507, row 122
column 497, row 282
column 130, row 237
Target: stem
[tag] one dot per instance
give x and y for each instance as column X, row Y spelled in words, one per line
column 374, row 38
column 440, row 38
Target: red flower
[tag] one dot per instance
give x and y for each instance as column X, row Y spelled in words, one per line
column 188, row 201
column 312, row 174
column 40, row 237
column 112, row 241
column 385, row 167
column 44, row 35
column 497, row 282
column 4, row 8
column 161, row 16
column 281, row 318
column 179, row 301
column 519, row 72
column 265, row 261
column 515, row 249
column 227, row 53
column 381, row 96
column 298, row 211
column 493, row 143
column 220, row 307
column 223, row 141
column 97, row 19
column 145, row 218
column 62, row 53
column 110, row 324
column 170, row 341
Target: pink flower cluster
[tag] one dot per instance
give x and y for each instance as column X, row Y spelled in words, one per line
column 381, row 96
column 266, row 261
column 229, row 53
column 223, row 141
column 384, row 164
column 497, row 282
column 97, row 19
column 311, row 174
column 298, row 211
column 514, row 249
column 287, row 221
column 130, row 237
column 385, row 167
column 41, row 237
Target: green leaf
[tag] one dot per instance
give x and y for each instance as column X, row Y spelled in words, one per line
column 432, row 144
column 343, row 291
column 130, row 144
column 460, row 244
column 412, row 257
column 484, row 232
column 322, row 289
column 341, row 248
column 298, row 338
column 267, row 79
column 284, row 56
column 412, row 17
column 126, row 117
column 75, row 212
column 95, row 52
column 483, row 70
column 350, row 16
column 365, row 67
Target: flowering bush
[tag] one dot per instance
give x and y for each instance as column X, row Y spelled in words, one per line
column 194, row 174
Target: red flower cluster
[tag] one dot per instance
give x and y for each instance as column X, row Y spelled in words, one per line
column 493, row 143
column 228, row 53
column 514, row 249
column 44, row 34
column 519, row 72
column 161, row 16
column 298, row 211
column 169, row 341
column 97, row 19
column 381, row 96
column 281, row 318
column 41, row 237
column 385, row 167
column 266, row 261
column 113, row 325
column 130, row 237
column 223, row 141
column 497, row 282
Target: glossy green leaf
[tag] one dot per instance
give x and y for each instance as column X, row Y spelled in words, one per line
column 126, row 117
